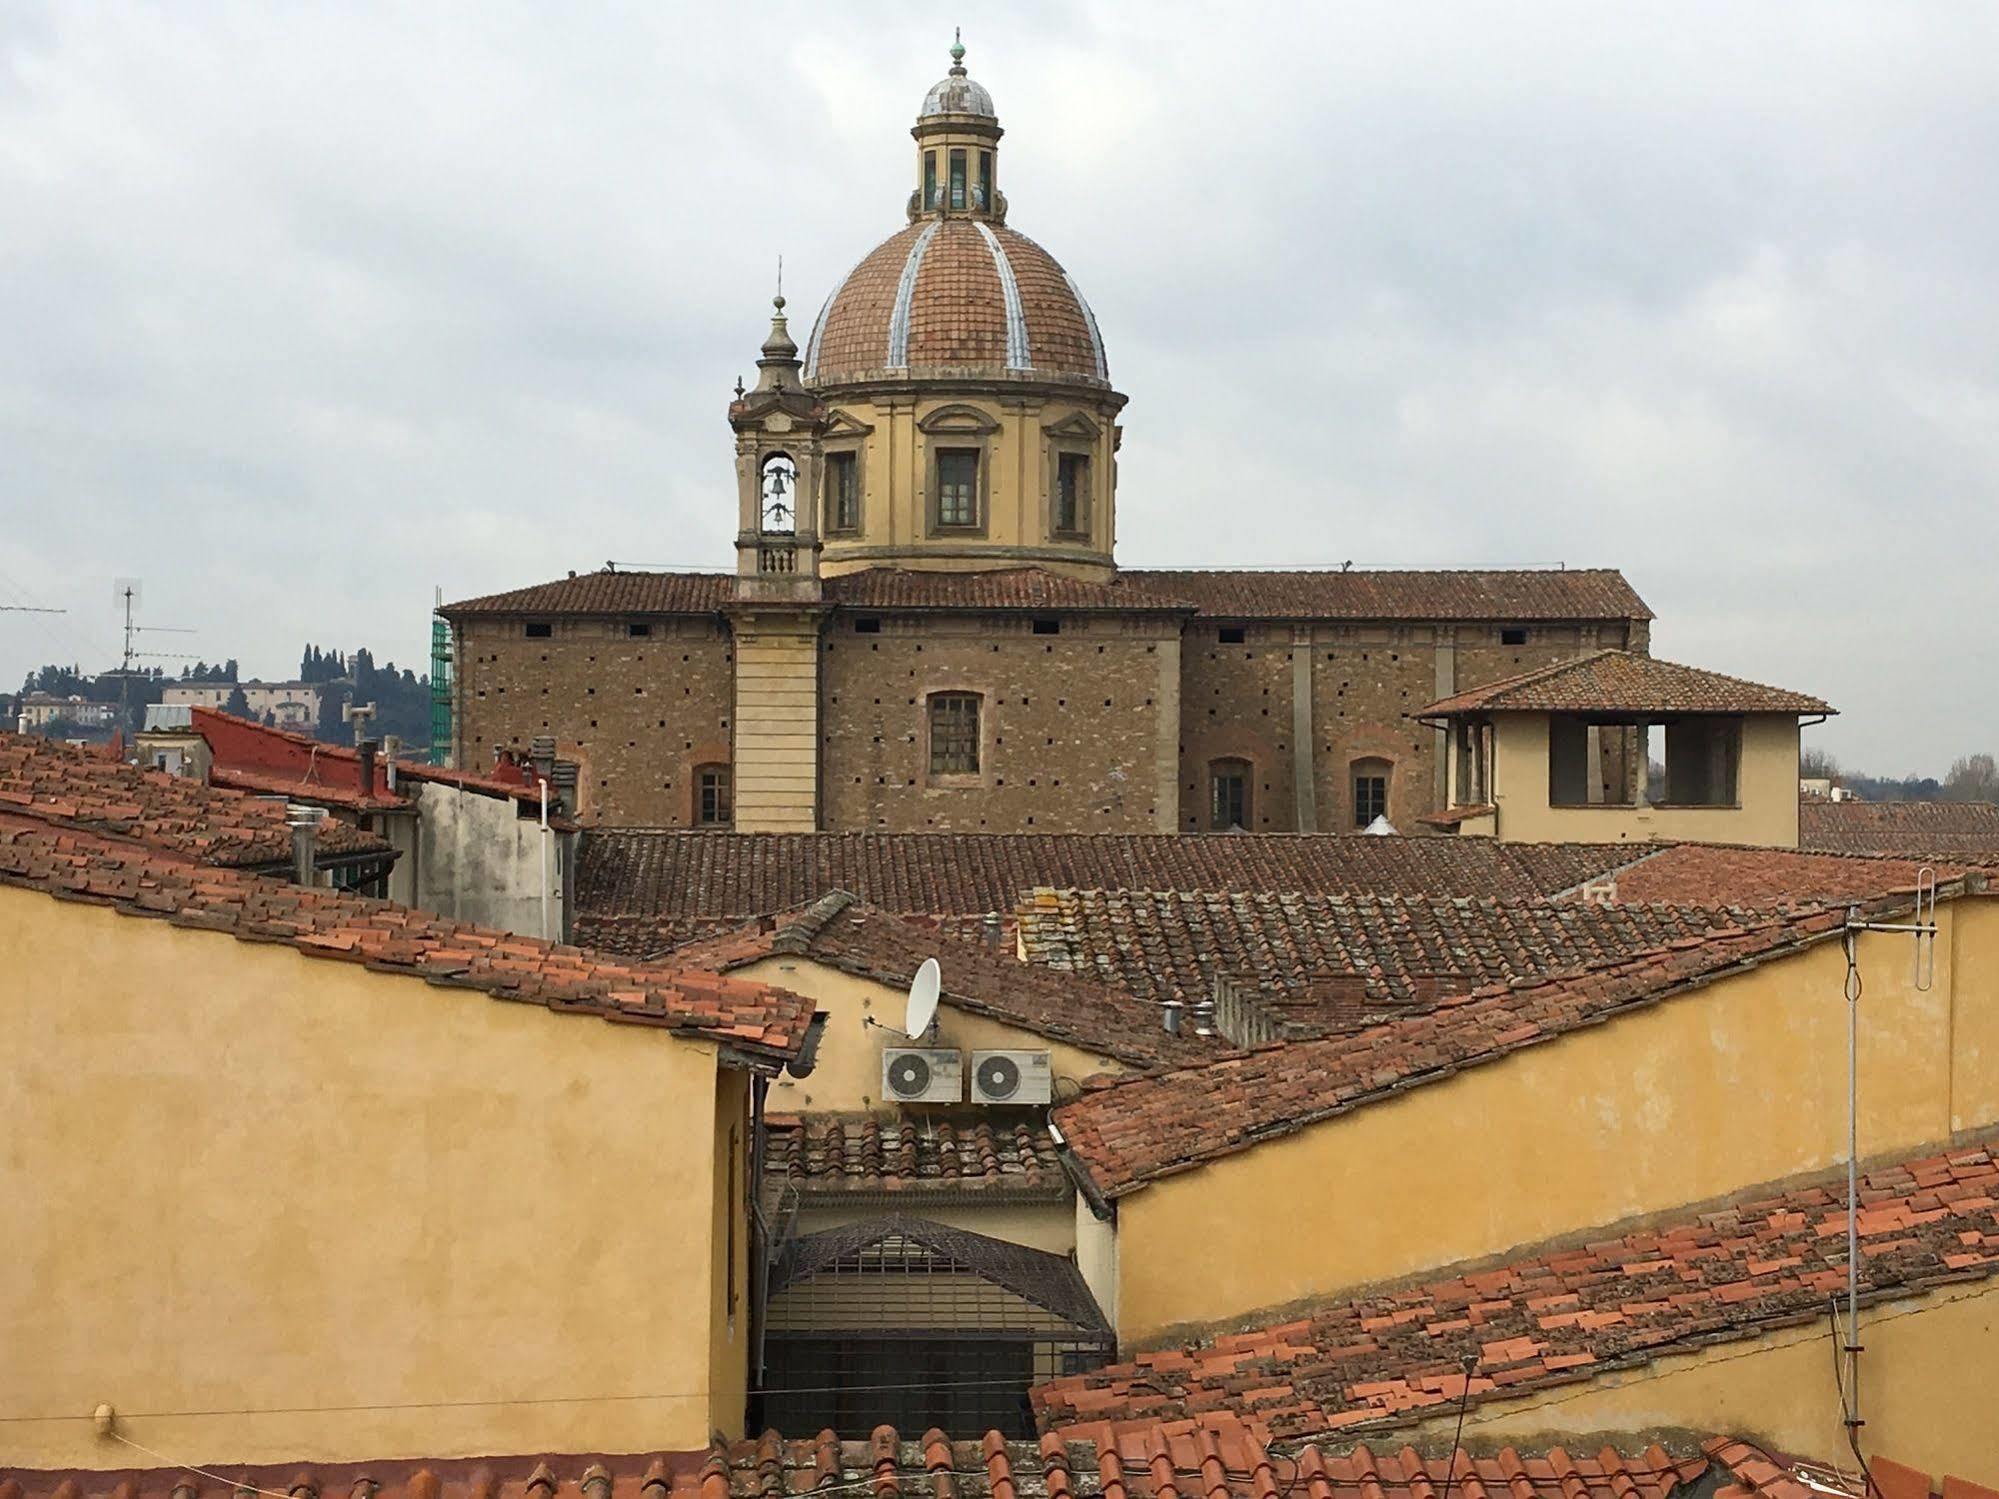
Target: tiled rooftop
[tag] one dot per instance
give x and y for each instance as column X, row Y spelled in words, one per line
column 626, row 874
column 1471, row 595
column 855, row 938
column 1153, row 1462
column 1285, row 946
column 1496, row 594
column 388, row 938
column 68, row 786
column 1623, row 681
column 848, row 1155
column 1129, row 1132
column 1566, row 1312
column 956, row 310
column 1910, row 828
column 1760, row 878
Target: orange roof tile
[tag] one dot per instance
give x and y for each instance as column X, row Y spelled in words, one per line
column 844, row 1155
column 1566, row 1311
column 1486, row 594
column 1128, row 1132
column 68, row 786
column 389, row 938
column 1763, row 878
column 1623, row 682
column 1911, row 829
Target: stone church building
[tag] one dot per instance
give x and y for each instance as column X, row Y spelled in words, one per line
column 927, row 628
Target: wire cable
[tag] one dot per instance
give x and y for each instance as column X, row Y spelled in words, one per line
column 1469, row 1363
column 1845, row 1407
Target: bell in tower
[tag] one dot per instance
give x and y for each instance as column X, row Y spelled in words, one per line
column 780, row 427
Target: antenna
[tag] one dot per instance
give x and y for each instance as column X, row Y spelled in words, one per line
column 1923, row 926
column 923, row 999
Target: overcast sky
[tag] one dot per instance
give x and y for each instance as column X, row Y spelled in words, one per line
column 306, row 311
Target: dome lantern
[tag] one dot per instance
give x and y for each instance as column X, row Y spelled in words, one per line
column 957, row 148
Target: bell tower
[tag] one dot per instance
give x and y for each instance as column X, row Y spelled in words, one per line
column 779, row 605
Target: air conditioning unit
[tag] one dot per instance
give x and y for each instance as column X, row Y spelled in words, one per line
column 1010, row 1077
column 923, row 1074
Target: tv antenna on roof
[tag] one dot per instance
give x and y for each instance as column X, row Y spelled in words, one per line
column 923, row 991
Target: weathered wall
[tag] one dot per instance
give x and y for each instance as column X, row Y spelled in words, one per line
column 1238, row 701
column 637, row 714
column 1740, row 1083
column 1766, row 788
column 849, row 1071
column 475, row 858
column 777, row 722
column 1077, row 727
column 1927, row 1377
column 397, row 1220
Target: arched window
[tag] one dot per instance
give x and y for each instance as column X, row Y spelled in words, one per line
column 714, row 800
column 954, row 733
column 1370, row 790
column 779, row 490
column 1229, row 795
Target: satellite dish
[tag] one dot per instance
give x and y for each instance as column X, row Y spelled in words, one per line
column 922, row 999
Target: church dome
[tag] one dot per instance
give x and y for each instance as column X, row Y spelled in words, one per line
column 956, row 298
column 957, row 94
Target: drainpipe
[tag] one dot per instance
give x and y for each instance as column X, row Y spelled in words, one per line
column 305, row 844
column 366, row 750
column 542, row 781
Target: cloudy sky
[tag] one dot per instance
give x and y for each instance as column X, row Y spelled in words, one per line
column 307, row 311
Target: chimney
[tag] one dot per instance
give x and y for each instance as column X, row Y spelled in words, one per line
column 541, row 754
column 991, row 930
column 1170, row 1015
column 562, row 785
column 367, row 749
column 392, row 746
column 305, row 842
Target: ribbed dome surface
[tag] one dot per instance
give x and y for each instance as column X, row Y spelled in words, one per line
column 961, row 296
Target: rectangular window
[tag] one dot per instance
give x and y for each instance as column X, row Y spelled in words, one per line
column 954, row 733
column 713, row 809
column 868, row 624
column 1072, row 492
column 843, row 492
column 537, row 629
column 958, row 487
column 1229, row 635
column 1228, row 795
column 929, row 179
column 957, row 179
column 1515, row 635
column 1370, row 797
column 985, row 198
column 637, row 630
column 1045, row 626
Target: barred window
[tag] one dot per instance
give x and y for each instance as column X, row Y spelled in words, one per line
column 958, row 487
column 954, row 733
column 713, row 805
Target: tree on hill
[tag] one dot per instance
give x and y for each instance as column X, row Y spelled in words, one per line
column 237, row 702
column 1972, row 778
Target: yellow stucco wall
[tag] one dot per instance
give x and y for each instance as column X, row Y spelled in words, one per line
column 777, row 723
column 1039, row 1225
column 849, row 1071
column 1711, row 1092
column 1927, row 1382
column 1766, row 788
column 1016, row 482
column 271, row 1188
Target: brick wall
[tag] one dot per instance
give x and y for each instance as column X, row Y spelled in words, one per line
column 637, row 714
column 1074, row 726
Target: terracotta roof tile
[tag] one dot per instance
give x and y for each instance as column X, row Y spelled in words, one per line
column 138, row 881
column 1126, row 1133
column 1488, row 594
column 830, row 1155
column 1225, row 1460
column 855, row 938
column 1623, row 681
column 1911, row 829
column 627, row 878
column 891, row 588
column 1562, row 1312
column 74, row 787
column 1761, row 878
column 1398, row 951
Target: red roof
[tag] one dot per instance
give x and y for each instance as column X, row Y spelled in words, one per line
column 1568, row 1311
column 388, row 938
column 1476, row 594
column 1152, row 1462
column 1623, row 682
column 843, row 1155
column 1762, row 878
column 68, row 786
column 1126, row 1133
column 1961, row 829
column 258, row 757
column 843, row 933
